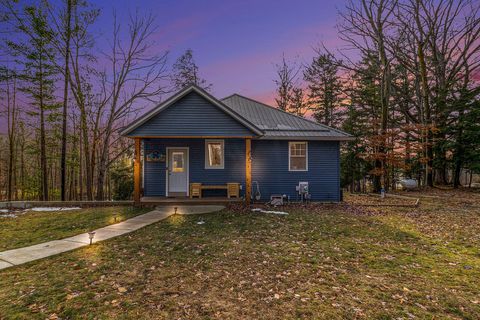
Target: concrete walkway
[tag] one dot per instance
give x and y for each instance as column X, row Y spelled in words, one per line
column 23, row 255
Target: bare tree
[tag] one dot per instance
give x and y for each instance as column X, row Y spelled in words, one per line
column 365, row 27
column 286, row 82
column 12, row 114
column 80, row 87
column 136, row 75
column 438, row 45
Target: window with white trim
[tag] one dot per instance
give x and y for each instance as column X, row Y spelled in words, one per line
column 297, row 156
column 214, row 154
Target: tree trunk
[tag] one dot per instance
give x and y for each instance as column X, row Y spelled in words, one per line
column 43, row 150
column 408, row 152
column 22, row 166
column 457, row 173
column 11, row 118
column 80, row 169
column 426, row 105
column 102, row 168
column 65, row 101
column 86, row 155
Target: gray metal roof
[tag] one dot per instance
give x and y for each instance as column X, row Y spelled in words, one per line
column 278, row 124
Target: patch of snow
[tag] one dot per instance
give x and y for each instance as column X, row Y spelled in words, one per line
column 55, row 208
column 8, row 215
column 269, row 211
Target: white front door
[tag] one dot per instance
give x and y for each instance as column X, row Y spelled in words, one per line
column 177, row 180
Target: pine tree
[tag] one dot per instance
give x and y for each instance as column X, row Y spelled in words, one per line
column 365, row 97
column 325, row 89
column 464, row 133
column 185, row 73
column 298, row 104
column 35, row 56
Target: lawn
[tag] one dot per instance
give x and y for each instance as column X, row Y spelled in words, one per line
column 34, row 227
column 327, row 262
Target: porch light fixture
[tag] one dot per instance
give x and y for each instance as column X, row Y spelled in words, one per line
column 91, row 235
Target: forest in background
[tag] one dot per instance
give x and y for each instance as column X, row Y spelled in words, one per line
column 64, row 100
column 405, row 84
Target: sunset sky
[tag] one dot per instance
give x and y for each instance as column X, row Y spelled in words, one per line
column 236, row 43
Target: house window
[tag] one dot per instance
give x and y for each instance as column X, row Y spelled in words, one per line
column 214, row 154
column 297, row 156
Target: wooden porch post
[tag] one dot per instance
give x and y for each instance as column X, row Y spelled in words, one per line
column 137, row 171
column 248, row 170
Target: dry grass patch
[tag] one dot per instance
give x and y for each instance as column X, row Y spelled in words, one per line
column 317, row 262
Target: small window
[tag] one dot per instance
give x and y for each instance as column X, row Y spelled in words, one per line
column 214, row 154
column 298, row 156
column 177, row 158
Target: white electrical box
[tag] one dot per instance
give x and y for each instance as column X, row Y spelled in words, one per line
column 302, row 187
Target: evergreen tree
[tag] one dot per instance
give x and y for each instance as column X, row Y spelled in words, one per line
column 185, row 73
column 463, row 133
column 35, row 55
column 366, row 99
column 325, row 89
column 353, row 167
column 298, row 104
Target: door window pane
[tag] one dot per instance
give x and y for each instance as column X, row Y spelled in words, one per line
column 177, row 162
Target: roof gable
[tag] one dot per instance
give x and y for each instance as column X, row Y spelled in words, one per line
column 191, row 112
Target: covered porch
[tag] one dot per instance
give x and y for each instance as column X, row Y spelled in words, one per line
column 189, row 170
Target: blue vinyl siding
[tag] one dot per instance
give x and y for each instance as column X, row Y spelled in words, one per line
column 234, row 171
column 192, row 115
column 270, row 169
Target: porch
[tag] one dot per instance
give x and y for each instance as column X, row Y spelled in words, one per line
column 192, row 170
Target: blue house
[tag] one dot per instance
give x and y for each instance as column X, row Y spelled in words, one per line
column 196, row 146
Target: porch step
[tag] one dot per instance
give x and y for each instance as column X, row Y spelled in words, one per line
column 188, row 201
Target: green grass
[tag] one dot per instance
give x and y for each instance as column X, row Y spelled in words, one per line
column 35, row 227
column 320, row 262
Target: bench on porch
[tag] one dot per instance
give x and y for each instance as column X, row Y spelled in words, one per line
column 233, row 189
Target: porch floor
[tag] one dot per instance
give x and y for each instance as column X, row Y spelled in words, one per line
column 188, row 200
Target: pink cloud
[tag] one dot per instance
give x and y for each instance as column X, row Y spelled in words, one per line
column 253, row 74
column 265, row 97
